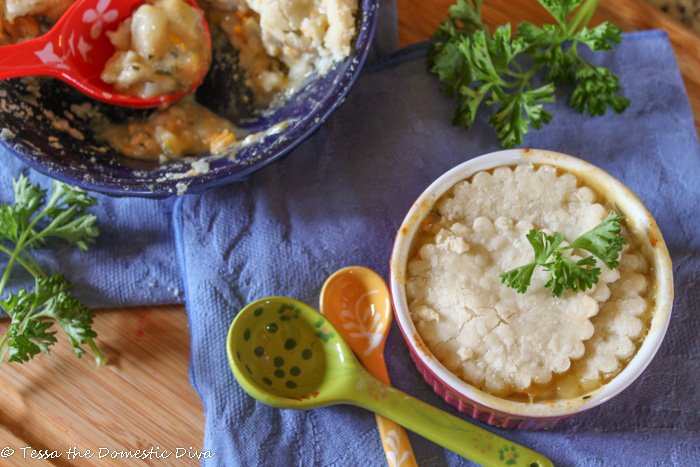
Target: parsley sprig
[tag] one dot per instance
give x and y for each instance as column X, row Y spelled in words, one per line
column 603, row 242
column 26, row 225
column 478, row 68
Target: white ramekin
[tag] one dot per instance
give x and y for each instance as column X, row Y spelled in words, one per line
column 494, row 410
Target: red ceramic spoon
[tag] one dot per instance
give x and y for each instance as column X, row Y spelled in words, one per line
column 77, row 48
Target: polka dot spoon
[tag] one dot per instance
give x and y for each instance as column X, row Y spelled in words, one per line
column 287, row 355
column 358, row 303
column 77, row 48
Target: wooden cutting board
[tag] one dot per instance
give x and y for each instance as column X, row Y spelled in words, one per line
column 143, row 399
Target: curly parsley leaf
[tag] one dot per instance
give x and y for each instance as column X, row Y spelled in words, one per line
column 568, row 275
column 452, row 68
column 27, row 224
column 596, row 90
column 601, row 37
column 66, row 209
column 544, row 246
column 560, row 9
column 520, row 111
column 25, row 337
column 604, row 242
column 497, row 70
column 14, row 218
column 463, row 19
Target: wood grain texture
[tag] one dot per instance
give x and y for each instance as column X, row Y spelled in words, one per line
column 143, row 398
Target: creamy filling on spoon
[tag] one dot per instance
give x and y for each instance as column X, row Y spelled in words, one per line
column 161, row 49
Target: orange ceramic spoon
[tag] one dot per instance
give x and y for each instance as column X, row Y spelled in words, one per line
column 356, row 301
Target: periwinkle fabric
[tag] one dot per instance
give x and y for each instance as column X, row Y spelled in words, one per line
column 339, row 199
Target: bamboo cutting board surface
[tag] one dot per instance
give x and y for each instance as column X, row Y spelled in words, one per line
column 143, row 398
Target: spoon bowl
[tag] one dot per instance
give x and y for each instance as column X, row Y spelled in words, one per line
column 287, row 355
column 357, row 301
column 276, row 353
column 77, row 48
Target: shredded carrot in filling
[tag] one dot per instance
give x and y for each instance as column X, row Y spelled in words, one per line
column 220, row 141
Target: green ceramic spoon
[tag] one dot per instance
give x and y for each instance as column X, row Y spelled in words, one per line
column 287, row 355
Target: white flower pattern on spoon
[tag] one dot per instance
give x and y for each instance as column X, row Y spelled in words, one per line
column 99, row 16
column 360, row 316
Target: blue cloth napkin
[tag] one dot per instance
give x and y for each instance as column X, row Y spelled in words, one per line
column 133, row 261
column 338, row 201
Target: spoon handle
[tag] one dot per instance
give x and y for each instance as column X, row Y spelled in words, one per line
column 38, row 56
column 457, row 435
column 397, row 446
